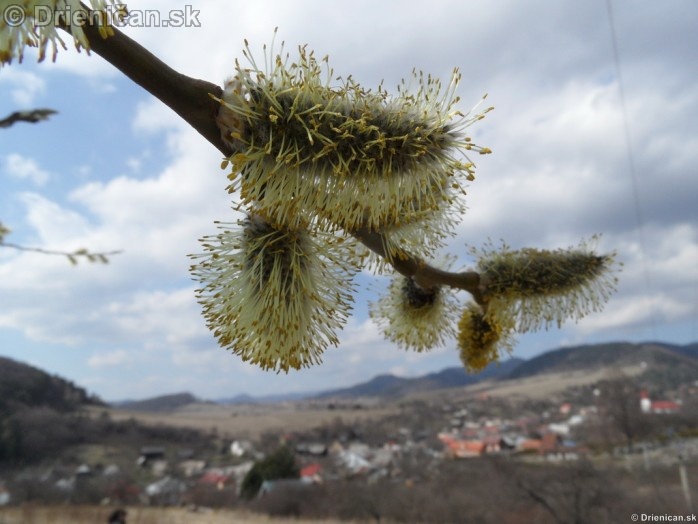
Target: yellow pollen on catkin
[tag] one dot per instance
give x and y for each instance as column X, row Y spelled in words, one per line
column 273, row 295
column 482, row 337
column 353, row 157
column 413, row 317
column 540, row 288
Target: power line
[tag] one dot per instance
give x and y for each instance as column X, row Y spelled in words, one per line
column 631, row 164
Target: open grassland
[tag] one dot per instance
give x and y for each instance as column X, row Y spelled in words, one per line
column 251, row 421
column 98, row 515
column 546, row 384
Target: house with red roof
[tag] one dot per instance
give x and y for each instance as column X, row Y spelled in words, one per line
column 311, row 472
column 554, row 448
column 456, row 448
column 217, row 478
column 529, row 445
column 657, row 407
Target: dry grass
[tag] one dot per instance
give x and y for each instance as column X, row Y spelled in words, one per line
column 98, row 515
column 538, row 387
column 250, row 421
column 544, row 385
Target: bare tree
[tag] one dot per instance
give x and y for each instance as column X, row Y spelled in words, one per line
column 573, row 493
column 620, row 413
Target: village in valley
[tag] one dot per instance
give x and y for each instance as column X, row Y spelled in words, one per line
column 622, row 424
column 339, row 450
column 426, row 432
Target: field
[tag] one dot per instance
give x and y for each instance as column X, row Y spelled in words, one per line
column 250, row 421
column 544, row 385
column 98, row 515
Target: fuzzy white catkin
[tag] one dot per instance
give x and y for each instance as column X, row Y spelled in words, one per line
column 273, row 295
column 351, row 157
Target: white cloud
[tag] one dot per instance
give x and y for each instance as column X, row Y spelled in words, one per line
column 24, row 86
column 155, row 117
column 55, row 225
column 109, row 359
column 156, row 221
column 635, row 310
column 159, row 320
column 26, row 168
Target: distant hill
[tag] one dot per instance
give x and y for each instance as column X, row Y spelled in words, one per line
column 37, row 413
column 390, row 386
column 160, row 403
column 44, row 418
column 24, row 386
column 606, row 355
column 691, row 350
column 264, row 399
column 667, row 365
column 239, row 399
column 655, row 365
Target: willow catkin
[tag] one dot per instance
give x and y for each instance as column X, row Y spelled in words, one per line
column 481, row 337
column 273, row 295
column 414, row 317
column 355, row 157
column 542, row 287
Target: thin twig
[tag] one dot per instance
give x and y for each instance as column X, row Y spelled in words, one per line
column 32, row 116
column 78, row 253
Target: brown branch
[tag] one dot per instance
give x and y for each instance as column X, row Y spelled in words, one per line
column 188, row 97
column 424, row 275
column 191, row 99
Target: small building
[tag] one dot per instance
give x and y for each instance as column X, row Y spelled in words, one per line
column 112, row 470
column 191, row 468
column 269, row 486
column 354, row 463
column 529, row 445
column 496, row 444
column 456, row 448
column 657, row 407
column 167, row 491
column 315, row 449
column 311, row 472
column 238, row 448
column 217, row 478
column 83, row 471
column 559, row 428
column 556, row 449
column 150, row 454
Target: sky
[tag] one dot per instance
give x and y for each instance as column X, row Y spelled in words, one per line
column 580, row 147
